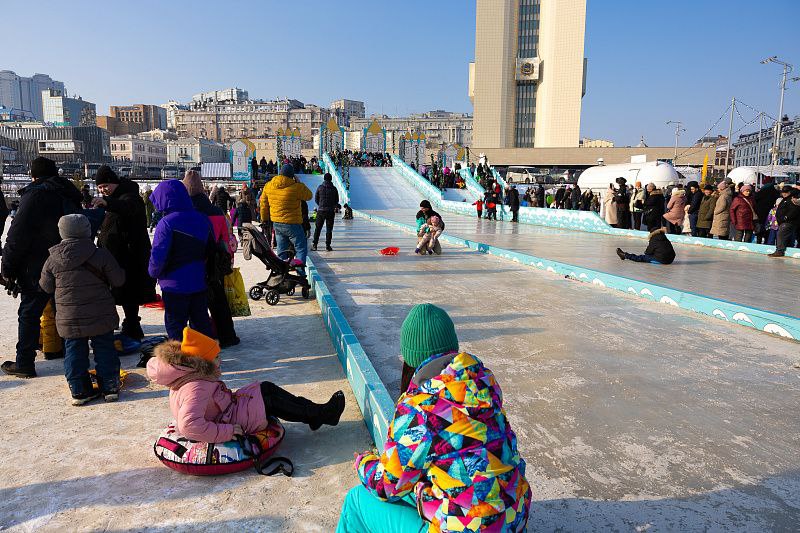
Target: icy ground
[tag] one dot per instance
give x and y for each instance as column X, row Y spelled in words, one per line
column 92, row 468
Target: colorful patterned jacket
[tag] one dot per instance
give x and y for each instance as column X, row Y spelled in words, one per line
column 451, row 444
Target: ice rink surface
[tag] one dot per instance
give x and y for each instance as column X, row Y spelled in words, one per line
column 631, row 415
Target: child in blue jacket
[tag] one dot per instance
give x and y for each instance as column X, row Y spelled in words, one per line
column 182, row 243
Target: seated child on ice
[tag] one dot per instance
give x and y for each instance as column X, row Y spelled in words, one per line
column 80, row 274
column 659, row 250
column 206, row 410
column 348, row 212
column 429, row 234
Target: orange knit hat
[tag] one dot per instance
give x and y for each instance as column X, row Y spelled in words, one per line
column 196, row 344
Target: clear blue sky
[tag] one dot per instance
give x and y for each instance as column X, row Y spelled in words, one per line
column 649, row 62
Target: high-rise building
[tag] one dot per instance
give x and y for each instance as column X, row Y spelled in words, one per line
column 528, row 78
column 62, row 110
column 26, row 93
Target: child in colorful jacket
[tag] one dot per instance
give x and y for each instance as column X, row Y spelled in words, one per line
column 206, row 410
column 450, row 447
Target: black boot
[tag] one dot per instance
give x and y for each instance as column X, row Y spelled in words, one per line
column 283, row 404
column 132, row 327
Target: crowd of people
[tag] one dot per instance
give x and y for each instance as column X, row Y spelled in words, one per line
column 103, row 244
column 263, row 169
column 361, row 158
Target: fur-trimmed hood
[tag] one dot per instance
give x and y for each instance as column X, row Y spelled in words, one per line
column 659, row 231
column 171, row 365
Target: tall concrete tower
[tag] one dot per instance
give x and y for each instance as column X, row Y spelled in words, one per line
column 528, row 78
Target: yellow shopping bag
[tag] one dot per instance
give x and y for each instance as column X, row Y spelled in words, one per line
column 236, row 295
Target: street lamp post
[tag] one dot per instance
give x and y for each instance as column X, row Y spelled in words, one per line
column 787, row 68
column 678, row 129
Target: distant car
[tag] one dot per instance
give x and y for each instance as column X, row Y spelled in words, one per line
column 521, row 174
column 124, row 172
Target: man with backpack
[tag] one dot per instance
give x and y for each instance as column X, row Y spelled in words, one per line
column 33, row 232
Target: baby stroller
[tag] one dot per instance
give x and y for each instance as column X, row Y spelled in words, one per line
column 283, row 277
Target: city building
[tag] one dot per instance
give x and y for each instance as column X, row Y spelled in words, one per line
column 171, row 108
column 586, row 142
column 85, row 144
column 439, row 127
column 158, row 135
column 132, row 119
column 227, row 120
column 528, row 78
column 20, row 92
column 233, row 95
column 346, row 110
column 192, row 151
column 755, row 149
column 62, row 110
column 139, row 152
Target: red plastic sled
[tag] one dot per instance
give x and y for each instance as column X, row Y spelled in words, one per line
column 391, row 250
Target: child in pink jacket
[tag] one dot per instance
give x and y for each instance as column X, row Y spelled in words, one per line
column 206, row 410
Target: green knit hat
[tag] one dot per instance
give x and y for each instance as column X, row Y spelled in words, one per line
column 427, row 330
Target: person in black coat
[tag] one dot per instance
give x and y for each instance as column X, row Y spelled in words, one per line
column 787, row 215
column 33, row 232
column 124, row 234
column 559, row 199
column 223, row 199
column 575, row 197
column 540, row 196
column 653, row 208
column 263, row 165
column 659, row 250
column 622, row 201
column 693, row 204
column 327, row 198
column 512, row 195
column 764, row 202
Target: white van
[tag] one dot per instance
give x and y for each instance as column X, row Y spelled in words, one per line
column 522, row 174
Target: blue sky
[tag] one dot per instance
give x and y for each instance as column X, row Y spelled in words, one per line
column 649, row 62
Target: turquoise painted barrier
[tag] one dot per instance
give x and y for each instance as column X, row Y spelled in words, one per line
column 472, row 183
column 344, row 193
column 775, row 323
column 373, row 399
column 587, row 221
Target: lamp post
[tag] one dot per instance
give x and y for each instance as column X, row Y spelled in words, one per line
column 678, row 129
column 787, row 68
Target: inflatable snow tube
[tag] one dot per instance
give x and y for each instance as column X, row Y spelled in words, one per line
column 215, row 459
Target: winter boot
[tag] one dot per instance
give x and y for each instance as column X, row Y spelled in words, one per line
column 132, row 327
column 286, row 406
column 10, row 368
column 621, row 254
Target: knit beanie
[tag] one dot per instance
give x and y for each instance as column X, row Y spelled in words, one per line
column 426, row 331
column 287, row 170
column 42, row 167
column 105, row 175
column 746, row 187
column 722, row 186
column 74, row 227
column 196, row 344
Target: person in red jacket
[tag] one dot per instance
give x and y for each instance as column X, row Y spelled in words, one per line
column 743, row 214
column 479, row 206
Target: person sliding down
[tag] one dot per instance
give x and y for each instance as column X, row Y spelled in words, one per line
column 429, row 234
column 659, row 250
column 206, row 410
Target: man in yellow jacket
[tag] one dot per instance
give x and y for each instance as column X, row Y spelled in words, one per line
column 281, row 204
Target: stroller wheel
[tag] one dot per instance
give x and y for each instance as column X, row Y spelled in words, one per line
column 306, row 292
column 256, row 292
column 290, row 292
column 273, row 297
